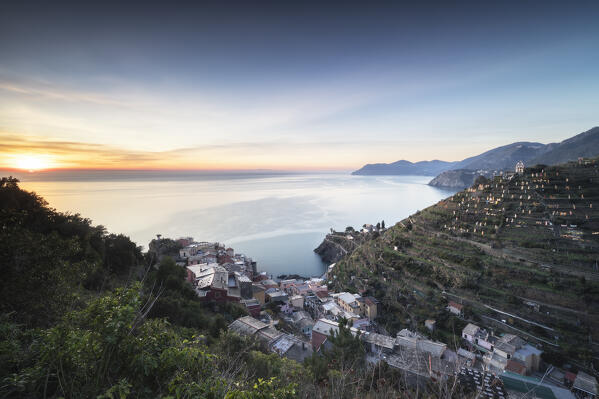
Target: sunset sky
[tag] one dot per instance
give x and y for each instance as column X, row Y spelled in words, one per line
column 289, row 85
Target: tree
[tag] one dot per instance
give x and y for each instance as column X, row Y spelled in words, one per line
column 383, row 224
column 347, row 349
column 9, row 182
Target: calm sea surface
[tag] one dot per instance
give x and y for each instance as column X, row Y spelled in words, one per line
column 276, row 219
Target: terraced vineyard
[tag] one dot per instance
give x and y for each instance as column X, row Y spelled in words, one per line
column 519, row 251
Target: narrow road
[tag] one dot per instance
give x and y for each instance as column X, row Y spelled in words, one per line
column 520, row 331
column 563, row 309
column 499, row 311
column 519, row 318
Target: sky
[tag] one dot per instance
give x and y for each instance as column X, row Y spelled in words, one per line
column 289, row 85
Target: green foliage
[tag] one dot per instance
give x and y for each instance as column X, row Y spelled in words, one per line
column 60, row 340
column 347, row 351
column 109, row 350
column 55, row 254
column 263, row 389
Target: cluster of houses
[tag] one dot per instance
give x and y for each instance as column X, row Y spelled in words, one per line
column 408, row 351
column 515, row 359
column 303, row 301
column 285, row 345
column 507, row 352
column 217, row 273
column 313, row 313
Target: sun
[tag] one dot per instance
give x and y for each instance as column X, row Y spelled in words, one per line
column 32, row 163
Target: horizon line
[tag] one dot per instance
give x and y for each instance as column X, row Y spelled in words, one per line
column 197, row 170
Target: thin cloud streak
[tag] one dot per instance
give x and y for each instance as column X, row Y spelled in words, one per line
column 283, row 154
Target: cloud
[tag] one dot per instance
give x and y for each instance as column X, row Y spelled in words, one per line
column 284, row 154
column 36, row 89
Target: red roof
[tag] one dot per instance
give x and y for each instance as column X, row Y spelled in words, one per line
column 515, row 367
column 317, row 340
column 322, row 294
column 456, row 305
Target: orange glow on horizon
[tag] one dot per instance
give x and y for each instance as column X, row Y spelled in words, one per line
column 46, row 163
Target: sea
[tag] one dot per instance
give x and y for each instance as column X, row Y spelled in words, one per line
column 275, row 218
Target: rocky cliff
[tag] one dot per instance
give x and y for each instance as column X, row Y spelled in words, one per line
column 454, row 179
column 330, row 251
column 337, row 245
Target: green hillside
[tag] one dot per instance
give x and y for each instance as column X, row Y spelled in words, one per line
column 526, row 245
column 85, row 314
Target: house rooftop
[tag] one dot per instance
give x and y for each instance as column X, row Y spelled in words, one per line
column 326, row 327
column 282, row 344
column 361, row 323
column 250, row 302
column 257, row 288
column 585, row 383
column 471, row 329
column 321, row 294
column 210, row 275
column 434, row 348
column 414, row 341
column 302, row 314
column 527, row 350
column 370, row 300
column 305, row 322
column 347, row 298
column 276, row 294
column 242, row 278
column 247, row 325
column 269, row 334
column 291, row 347
column 383, row 341
column 515, row 366
column 329, row 306
column 410, row 334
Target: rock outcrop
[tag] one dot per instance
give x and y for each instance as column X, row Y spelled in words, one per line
column 330, row 251
column 458, row 179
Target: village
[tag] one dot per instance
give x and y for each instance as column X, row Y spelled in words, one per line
column 295, row 318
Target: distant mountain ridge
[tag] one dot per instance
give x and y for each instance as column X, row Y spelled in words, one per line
column 585, row 145
column 422, row 168
column 502, row 158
